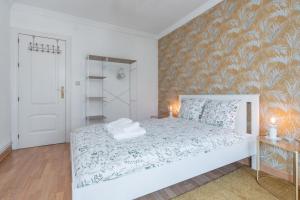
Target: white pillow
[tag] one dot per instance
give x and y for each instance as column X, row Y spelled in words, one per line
column 220, row 113
column 191, row 108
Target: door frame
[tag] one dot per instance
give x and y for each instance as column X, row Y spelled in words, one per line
column 14, row 49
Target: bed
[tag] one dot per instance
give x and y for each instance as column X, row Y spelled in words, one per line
column 173, row 150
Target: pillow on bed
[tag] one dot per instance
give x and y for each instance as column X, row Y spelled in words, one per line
column 191, row 108
column 220, row 113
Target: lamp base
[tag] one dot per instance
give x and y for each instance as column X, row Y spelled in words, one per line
column 273, row 138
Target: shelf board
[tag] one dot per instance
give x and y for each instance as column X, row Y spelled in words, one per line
column 96, row 117
column 110, row 59
column 96, row 98
column 96, row 77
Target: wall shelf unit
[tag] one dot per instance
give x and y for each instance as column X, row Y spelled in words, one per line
column 95, row 98
column 110, row 59
column 96, row 117
column 110, row 93
column 96, row 77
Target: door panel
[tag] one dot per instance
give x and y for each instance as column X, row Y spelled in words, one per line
column 43, row 123
column 41, row 106
column 43, row 78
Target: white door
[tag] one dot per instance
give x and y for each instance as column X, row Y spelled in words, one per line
column 41, row 79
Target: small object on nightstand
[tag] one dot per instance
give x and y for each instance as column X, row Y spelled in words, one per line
column 275, row 139
column 170, row 111
column 273, row 129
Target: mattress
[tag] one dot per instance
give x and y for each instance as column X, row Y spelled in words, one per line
column 97, row 157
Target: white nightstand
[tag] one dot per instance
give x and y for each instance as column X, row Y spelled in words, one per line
column 158, row 117
column 293, row 147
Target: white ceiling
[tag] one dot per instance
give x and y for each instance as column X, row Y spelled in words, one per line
column 150, row 16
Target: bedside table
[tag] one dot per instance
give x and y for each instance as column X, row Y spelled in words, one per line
column 158, row 117
column 293, row 147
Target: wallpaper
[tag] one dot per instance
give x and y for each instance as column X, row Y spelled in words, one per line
column 239, row 47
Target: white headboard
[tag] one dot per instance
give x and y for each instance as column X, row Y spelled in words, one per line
column 248, row 102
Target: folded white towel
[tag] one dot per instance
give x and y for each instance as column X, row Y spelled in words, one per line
column 123, row 130
column 115, row 131
column 118, row 123
column 136, row 133
column 131, row 127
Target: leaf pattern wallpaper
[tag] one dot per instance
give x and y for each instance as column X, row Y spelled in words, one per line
column 239, row 47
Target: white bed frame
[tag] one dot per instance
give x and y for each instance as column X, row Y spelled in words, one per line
column 144, row 182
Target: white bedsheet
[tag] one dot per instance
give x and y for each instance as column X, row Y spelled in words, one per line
column 97, row 157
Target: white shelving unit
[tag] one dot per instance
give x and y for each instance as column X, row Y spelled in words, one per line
column 94, row 97
column 99, row 98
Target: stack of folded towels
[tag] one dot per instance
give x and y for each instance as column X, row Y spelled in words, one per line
column 125, row 129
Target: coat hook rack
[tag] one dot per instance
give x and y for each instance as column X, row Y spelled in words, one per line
column 44, row 48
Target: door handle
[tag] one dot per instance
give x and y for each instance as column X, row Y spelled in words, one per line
column 62, row 92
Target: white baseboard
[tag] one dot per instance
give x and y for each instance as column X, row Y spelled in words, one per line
column 3, row 148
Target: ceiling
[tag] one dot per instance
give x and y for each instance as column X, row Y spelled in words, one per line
column 150, row 16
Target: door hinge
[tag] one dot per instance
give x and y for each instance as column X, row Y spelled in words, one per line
column 18, row 136
column 18, row 40
column 18, row 99
column 18, row 65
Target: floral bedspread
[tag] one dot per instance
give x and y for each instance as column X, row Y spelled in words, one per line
column 98, row 157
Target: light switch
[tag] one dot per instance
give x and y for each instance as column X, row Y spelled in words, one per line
column 77, row 83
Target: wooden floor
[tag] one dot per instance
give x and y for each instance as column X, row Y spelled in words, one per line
column 43, row 173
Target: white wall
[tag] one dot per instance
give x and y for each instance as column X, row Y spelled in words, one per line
column 89, row 37
column 5, row 137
